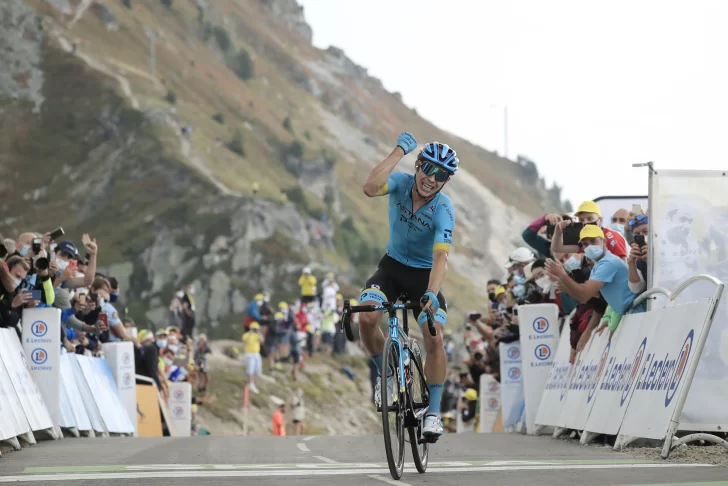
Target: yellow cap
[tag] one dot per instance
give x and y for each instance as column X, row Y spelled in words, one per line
column 589, row 207
column 282, row 305
column 330, row 275
column 353, row 302
column 471, row 395
column 339, row 296
column 278, row 316
column 258, row 297
column 254, row 325
column 500, row 291
column 591, row 231
column 144, row 334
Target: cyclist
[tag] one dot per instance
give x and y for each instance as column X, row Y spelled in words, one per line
column 421, row 221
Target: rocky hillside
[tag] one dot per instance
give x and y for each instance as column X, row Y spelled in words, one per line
column 93, row 140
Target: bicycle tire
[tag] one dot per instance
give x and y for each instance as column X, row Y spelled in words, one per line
column 395, row 459
column 420, row 452
column 347, row 329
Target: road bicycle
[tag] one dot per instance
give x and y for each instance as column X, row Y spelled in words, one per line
column 402, row 358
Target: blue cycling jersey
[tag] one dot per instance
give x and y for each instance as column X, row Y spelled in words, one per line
column 414, row 236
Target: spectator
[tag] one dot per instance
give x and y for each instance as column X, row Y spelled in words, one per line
column 531, row 234
column 637, row 260
column 266, row 317
column 299, row 412
column 146, row 355
column 328, row 327
column 201, row 352
column 307, row 282
column 619, row 221
column 252, row 313
column 589, row 213
column 188, row 312
column 161, row 340
column 329, row 292
column 492, row 286
column 130, row 329
column 609, row 276
column 173, row 372
column 251, row 348
column 275, row 334
column 279, row 421
column 517, row 261
column 467, row 406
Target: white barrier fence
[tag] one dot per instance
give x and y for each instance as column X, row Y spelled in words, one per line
column 43, row 389
column 635, row 384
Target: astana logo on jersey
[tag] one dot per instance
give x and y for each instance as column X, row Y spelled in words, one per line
column 424, row 222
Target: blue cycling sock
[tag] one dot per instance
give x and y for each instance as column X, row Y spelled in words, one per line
column 378, row 361
column 435, row 390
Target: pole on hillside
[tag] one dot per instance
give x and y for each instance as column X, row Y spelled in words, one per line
column 152, row 39
column 245, row 411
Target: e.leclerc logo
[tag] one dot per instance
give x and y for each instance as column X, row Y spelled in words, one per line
column 39, row 328
column 39, row 356
column 492, row 387
column 127, row 379
column 179, row 394
column 493, row 403
column 638, row 357
column 600, row 370
column 514, row 373
column 542, row 352
column 125, row 358
column 178, row 412
column 682, row 363
column 514, row 353
column 541, row 325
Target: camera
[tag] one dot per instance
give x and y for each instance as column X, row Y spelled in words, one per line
column 475, row 317
column 478, row 356
column 468, row 327
column 640, row 240
column 37, row 245
column 571, row 233
column 41, row 264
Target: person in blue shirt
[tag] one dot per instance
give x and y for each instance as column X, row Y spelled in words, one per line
column 609, row 276
column 421, row 223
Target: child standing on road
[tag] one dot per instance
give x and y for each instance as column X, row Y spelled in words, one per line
column 251, row 348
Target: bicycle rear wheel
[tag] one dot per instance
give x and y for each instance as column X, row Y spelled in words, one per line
column 420, row 399
column 392, row 417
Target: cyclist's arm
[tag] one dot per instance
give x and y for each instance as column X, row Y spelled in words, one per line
column 444, row 224
column 379, row 179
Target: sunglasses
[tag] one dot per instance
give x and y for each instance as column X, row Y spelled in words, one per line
column 637, row 219
column 430, row 169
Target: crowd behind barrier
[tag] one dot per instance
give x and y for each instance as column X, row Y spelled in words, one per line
column 567, row 342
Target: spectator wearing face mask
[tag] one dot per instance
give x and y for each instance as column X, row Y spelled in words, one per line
column 492, row 286
column 12, row 302
column 328, row 293
column 253, row 360
column 637, row 260
column 619, row 221
column 608, row 277
column 252, row 313
column 161, row 339
column 65, row 252
column 307, row 282
column 517, row 261
column 590, row 214
column 531, row 234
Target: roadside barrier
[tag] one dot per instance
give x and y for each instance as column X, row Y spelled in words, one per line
column 635, row 384
column 490, row 405
column 511, row 385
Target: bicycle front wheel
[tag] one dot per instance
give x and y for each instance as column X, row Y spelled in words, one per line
column 420, row 401
column 392, row 416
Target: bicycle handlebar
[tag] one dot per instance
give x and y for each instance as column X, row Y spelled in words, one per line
column 389, row 307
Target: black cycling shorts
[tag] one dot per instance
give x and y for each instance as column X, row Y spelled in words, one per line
column 393, row 279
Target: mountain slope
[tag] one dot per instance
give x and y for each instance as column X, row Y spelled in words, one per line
column 92, row 141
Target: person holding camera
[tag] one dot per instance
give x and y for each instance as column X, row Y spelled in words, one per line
column 566, row 237
column 637, row 260
column 532, row 237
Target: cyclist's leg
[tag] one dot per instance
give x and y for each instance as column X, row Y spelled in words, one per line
column 378, row 288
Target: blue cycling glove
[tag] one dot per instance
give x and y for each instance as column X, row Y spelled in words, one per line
column 407, row 142
column 428, row 297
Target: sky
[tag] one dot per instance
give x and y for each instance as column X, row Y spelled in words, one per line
column 591, row 87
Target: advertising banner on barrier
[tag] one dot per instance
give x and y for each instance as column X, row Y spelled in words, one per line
column 31, row 400
column 689, row 236
column 512, row 402
column 554, row 391
column 662, row 375
column 66, row 419
column 86, row 394
column 489, row 403
column 588, row 369
column 42, row 342
column 626, row 355
column 148, row 416
column 539, row 329
column 103, row 388
column 180, row 404
column 120, row 357
column 70, row 389
column 13, row 421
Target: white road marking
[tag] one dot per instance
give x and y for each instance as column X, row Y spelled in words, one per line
column 388, row 481
column 37, row 478
column 306, row 439
column 303, row 447
column 326, row 460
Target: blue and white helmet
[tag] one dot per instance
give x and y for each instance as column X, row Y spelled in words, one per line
column 440, row 154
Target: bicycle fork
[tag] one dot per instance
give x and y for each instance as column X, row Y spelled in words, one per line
column 394, row 334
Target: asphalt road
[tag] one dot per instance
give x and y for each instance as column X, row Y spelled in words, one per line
column 465, row 459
